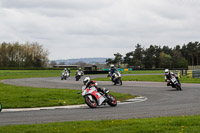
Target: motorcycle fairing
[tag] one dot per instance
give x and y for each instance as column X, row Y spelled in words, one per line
column 97, row 95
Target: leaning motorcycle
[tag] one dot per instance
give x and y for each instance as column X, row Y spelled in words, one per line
column 116, row 78
column 93, row 98
column 78, row 76
column 64, row 75
column 175, row 83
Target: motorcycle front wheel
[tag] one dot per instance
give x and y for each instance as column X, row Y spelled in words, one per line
column 77, row 78
column 1, row 107
column 91, row 103
column 178, row 87
column 112, row 101
column 120, row 81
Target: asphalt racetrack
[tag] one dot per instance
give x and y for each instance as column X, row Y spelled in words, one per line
column 161, row 101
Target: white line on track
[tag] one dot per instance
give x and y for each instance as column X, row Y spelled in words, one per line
column 135, row 100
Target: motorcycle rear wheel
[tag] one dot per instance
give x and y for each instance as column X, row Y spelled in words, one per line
column 112, row 101
column 91, row 104
column 120, row 81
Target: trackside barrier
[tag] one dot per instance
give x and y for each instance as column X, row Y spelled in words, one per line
column 179, row 73
column 193, row 73
column 194, row 67
column 120, row 69
column 96, row 72
column 189, row 73
column 196, row 73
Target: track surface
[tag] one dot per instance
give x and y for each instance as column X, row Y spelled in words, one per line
column 162, row 101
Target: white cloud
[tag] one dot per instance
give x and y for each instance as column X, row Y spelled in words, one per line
column 73, row 29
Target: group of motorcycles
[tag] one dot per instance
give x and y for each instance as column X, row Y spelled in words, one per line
column 93, row 98
column 115, row 77
column 66, row 74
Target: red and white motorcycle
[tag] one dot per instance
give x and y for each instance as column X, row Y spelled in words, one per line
column 93, row 98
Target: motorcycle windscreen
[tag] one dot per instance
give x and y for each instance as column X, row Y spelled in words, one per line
column 173, row 80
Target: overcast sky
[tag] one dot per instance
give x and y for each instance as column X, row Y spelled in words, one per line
column 99, row 28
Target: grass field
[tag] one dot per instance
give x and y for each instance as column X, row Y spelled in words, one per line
column 13, row 74
column 180, row 124
column 25, row 97
column 12, row 96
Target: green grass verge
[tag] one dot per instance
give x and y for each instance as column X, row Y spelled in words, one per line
column 181, row 124
column 13, row 74
column 26, row 97
column 152, row 78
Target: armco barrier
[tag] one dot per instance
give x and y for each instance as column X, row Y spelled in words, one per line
column 194, row 67
column 196, row 73
column 193, row 73
column 120, row 69
column 96, row 72
column 179, row 73
column 189, row 73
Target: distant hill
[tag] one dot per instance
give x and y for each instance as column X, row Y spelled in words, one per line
column 86, row 60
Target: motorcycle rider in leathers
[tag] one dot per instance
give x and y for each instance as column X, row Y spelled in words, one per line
column 91, row 83
column 65, row 71
column 168, row 76
column 112, row 70
column 79, row 70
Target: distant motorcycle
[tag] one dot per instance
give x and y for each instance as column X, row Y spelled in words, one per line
column 116, row 78
column 175, row 83
column 93, row 98
column 1, row 107
column 65, row 75
column 78, row 75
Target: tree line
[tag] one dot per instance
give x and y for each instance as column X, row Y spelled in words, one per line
column 23, row 55
column 159, row 57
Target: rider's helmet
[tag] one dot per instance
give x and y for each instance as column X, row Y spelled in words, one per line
column 79, row 69
column 86, row 80
column 166, row 71
column 68, row 68
column 112, row 66
column 65, row 69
